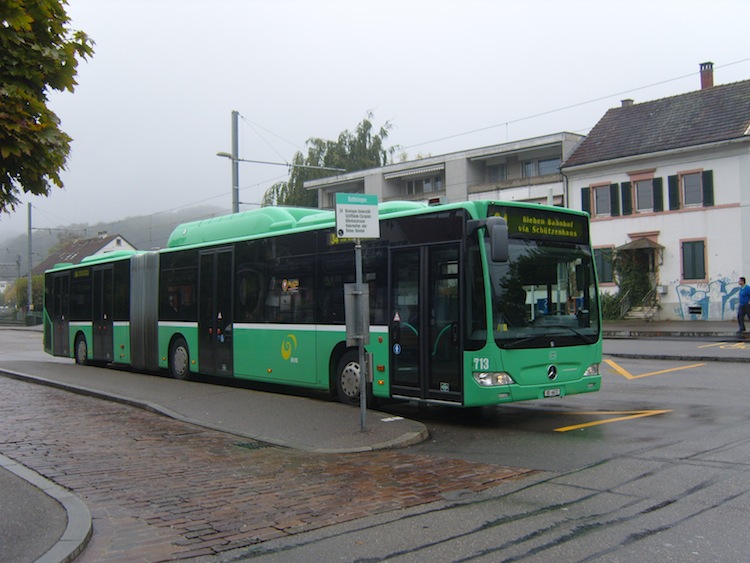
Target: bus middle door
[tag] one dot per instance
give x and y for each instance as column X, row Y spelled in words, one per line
column 215, row 319
column 103, row 308
column 425, row 347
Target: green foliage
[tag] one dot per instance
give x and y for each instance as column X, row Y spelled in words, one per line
column 633, row 283
column 632, row 276
column 16, row 295
column 610, row 304
column 39, row 52
column 359, row 150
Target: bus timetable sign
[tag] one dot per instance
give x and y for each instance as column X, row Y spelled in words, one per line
column 357, row 216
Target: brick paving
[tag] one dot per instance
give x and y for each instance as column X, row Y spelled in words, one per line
column 160, row 489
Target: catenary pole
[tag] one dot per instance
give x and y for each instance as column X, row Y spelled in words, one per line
column 235, row 163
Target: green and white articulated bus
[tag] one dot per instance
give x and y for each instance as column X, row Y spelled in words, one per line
column 471, row 303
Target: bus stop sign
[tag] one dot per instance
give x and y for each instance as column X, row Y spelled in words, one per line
column 357, row 216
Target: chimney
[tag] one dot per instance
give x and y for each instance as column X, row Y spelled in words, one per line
column 626, row 103
column 707, row 75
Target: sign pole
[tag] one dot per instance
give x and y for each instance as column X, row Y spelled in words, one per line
column 357, row 218
column 361, row 336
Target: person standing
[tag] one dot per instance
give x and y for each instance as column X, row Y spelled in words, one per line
column 744, row 307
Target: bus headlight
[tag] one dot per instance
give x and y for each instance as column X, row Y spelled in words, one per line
column 492, row 378
column 593, row 369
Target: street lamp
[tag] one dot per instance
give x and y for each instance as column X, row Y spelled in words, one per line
column 235, row 182
column 235, row 160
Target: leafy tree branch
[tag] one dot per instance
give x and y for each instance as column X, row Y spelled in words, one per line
column 39, row 53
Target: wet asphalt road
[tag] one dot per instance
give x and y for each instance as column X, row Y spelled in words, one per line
column 654, row 467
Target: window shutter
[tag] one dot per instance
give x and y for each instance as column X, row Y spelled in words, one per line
column 627, row 198
column 658, row 194
column 614, row 199
column 708, row 188
column 586, row 200
column 674, row 192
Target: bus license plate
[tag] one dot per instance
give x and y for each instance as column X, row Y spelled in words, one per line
column 551, row 392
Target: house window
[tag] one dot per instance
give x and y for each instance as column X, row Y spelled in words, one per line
column 424, row 185
column 644, row 195
column 602, row 201
column 694, row 260
column 604, row 266
column 692, row 190
column 496, row 173
column 549, row 166
column 541, row 167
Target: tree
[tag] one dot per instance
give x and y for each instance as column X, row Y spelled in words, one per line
column 351, row 151
column 17, row 295
column 39, row 52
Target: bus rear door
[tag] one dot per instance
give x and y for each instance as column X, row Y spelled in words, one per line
column 61, row 314
column 425, row 347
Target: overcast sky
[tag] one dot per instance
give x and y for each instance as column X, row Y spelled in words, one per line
column 153, row 106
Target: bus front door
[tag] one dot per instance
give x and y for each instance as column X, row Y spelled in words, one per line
column 102, row 345
column 425, row 347
column 215, row 355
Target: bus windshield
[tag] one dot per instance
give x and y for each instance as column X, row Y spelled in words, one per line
column 544, row 295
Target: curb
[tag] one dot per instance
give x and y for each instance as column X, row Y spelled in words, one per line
column 79, row 528
column 405, row 440
column 668, row 357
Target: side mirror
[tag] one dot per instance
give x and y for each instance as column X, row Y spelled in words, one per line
column 498, row 231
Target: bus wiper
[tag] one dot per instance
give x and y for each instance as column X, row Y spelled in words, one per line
column 582, row 335
column 520, row 341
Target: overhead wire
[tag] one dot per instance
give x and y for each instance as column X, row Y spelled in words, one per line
column 564, row 108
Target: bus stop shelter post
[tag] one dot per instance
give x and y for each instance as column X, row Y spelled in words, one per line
column 360, row 315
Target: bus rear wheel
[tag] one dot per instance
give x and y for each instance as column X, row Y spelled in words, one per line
column 81, row 350
column 179, row 359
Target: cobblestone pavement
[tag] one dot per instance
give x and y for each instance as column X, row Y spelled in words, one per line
column 160, row 489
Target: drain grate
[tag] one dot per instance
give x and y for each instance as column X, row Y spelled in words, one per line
column 252, row 445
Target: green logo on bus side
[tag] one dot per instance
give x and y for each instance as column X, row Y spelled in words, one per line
column 289, row 345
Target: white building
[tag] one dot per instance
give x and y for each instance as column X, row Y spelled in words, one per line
column 527, row 170
column 668, row 181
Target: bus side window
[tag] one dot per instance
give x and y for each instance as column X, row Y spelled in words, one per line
column 250, row 296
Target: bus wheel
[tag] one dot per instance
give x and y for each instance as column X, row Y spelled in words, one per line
column 81, row 350
column 179, row 359
column 347, row 379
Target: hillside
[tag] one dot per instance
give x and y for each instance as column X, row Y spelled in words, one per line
column 145, row 233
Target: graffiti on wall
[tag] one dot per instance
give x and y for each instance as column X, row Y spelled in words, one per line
column 715, row 301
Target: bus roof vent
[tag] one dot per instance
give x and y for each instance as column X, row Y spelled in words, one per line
column 115, row 254
column 389, row 207
column 237, row 225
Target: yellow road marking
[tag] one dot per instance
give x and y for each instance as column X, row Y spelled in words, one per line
column 625, row 373
column 729, row 345
column 630, row 416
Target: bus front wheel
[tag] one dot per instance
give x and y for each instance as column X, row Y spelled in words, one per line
column 81, row 350
column 347, row 378
column 179, row 359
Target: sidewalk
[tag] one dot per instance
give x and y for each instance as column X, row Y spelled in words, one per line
column 287, row 420
column 676, row 329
